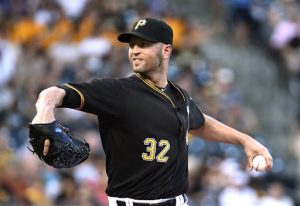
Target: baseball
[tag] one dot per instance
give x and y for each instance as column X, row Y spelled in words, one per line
column 259, row 163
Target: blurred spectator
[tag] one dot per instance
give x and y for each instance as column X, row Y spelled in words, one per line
column 26, row 30
column 93, row 48
column 64, row 51
column 231, row 102
column 9, row 54
column 68, row 193
column 46, row 13
column 74, row 8
column 238, row 191
column 241, row 21
column 59, row 27
column 276, row 196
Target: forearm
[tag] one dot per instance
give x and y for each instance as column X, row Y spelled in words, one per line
column 48, row 100
column 214, row 130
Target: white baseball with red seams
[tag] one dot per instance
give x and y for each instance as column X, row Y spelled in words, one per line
column 259, row 163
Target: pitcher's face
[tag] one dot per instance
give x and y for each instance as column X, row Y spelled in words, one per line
column 145, row 56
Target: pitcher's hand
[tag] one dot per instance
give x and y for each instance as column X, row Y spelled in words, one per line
column 253, row 148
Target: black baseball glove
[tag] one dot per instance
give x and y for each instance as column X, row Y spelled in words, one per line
column 64, row 151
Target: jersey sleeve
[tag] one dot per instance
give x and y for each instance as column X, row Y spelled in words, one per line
column 196, row 117
column 99, row 96
column 72, row 98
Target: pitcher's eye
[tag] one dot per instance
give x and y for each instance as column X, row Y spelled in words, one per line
column 142, row 44
column 131, row 45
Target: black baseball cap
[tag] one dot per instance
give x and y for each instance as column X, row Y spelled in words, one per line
column 150, row 29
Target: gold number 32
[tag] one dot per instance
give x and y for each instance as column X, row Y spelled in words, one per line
column 151, row 144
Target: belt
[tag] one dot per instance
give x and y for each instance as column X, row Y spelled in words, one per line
column 171, row 202
column 168, row 202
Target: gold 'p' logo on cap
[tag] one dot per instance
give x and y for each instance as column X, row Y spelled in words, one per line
column 140, row 23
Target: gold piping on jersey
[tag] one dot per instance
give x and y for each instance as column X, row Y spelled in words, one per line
column 80, row 94
column 151, row 85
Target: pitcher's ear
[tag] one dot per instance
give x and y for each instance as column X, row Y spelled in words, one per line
column 167, row 50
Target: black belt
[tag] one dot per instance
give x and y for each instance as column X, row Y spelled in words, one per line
column 171, row 202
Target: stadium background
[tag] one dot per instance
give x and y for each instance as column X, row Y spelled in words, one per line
column 240, row 60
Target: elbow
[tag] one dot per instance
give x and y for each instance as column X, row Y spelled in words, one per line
column 50, row 97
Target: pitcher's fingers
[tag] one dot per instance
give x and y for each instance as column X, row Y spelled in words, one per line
column 269, row 161
column 249, row 163
column 46, row 147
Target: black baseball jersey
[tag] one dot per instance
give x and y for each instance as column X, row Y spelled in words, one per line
column 143, row 132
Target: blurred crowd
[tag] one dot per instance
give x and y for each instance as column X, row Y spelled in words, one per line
column 50, row 42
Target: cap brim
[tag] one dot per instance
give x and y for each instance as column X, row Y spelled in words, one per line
column 125, row 37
